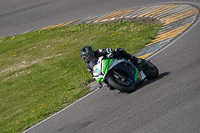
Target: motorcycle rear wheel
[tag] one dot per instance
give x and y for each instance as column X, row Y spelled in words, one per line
column 128, row 86
column 151, row 71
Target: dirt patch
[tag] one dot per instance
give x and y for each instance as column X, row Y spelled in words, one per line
column 18, row 66
column 148, row 20
column 24, row 64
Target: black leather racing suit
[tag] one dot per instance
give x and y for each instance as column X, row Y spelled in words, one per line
column 117, row 53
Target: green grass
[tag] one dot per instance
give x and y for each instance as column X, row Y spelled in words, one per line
column 42, row 72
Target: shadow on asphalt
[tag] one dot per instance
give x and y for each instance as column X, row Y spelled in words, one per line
column 147, row 82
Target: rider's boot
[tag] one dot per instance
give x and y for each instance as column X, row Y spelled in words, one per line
column 142, row 63
column 138, row 62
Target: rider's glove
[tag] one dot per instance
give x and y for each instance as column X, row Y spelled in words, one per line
column 110, row 52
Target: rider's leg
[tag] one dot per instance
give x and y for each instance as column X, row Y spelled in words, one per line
column 119, row 52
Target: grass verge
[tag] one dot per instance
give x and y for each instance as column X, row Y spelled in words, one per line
column 42, row 72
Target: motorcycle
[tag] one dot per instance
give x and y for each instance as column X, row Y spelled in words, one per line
column 122, row 74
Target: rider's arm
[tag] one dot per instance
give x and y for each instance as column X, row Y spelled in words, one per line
column 102, row 52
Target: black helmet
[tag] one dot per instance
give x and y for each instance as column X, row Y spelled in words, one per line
column 87, row 53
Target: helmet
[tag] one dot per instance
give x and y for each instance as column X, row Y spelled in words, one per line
column 87, row 53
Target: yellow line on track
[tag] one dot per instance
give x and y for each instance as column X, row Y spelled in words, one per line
column 146, row 55
column 59, row 25
column 113, row 15
column 159, row 10
column 170, row 34
column 179, row 16
column 166, row 8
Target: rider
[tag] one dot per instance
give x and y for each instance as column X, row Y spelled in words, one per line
column 88, row 54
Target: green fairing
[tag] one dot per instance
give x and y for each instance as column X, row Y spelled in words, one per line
column 100, row 80
column 106, row 65
column 136, row 73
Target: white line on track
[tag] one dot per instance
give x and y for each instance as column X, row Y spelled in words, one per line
column 61, row 110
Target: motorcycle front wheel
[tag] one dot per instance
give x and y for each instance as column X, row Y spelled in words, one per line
column 121, row 85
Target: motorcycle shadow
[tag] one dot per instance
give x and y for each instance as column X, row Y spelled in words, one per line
column 147, row 82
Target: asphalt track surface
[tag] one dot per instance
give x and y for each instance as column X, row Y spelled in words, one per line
column 168, row 104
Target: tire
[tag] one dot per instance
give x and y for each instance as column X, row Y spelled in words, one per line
column 123, row 88
column 151, row 71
